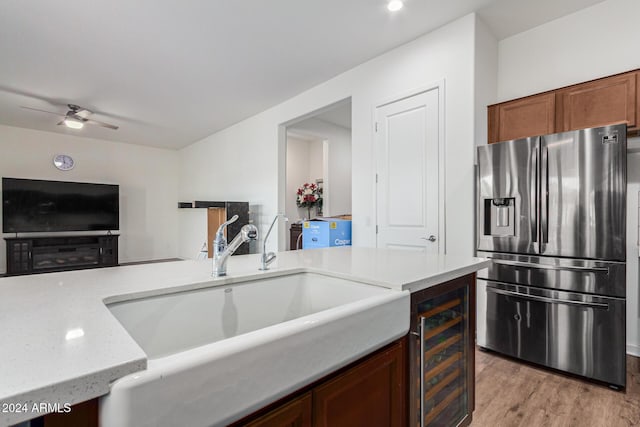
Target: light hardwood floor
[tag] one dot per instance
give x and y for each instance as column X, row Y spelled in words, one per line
column 509, row 394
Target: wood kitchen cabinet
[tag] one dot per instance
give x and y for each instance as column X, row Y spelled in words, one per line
column 296, row 413
column 370, row 392
column 534, row 115
column 83, row 414
column 601, row 102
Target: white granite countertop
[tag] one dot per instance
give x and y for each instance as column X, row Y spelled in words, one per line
column 60, row 343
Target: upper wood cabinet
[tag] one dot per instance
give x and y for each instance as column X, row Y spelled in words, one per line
column 601, row 102
column 534, row 115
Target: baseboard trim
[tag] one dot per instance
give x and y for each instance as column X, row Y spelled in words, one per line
column 633, row 350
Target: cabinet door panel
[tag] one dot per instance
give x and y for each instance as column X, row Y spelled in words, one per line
column 293, row 414
column 18, row 257
column 371, row 394
column 600, row 102
column 637, row 104
column 534, row 115
column 83, row 414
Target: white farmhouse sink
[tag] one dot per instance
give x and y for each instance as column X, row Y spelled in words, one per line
column 220, row 353
column 169, row 324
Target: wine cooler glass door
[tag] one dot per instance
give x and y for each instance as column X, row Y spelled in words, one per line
column 444, row 350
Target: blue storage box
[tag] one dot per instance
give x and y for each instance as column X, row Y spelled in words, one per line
column 326, row 232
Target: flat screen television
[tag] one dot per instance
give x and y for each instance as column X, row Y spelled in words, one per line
column 30, row 205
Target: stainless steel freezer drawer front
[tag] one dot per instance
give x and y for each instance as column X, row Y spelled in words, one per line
column 576, row 333
column 588, row 276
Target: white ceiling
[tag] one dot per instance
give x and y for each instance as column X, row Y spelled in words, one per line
column 339, row 115
column 509, row 17
column 172, row 72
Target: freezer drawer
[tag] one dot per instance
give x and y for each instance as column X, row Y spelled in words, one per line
column 575, row 333
column 574, row 275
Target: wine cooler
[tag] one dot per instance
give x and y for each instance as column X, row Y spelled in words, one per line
column 443, row 329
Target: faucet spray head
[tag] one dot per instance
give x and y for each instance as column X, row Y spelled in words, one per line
column 249, row 232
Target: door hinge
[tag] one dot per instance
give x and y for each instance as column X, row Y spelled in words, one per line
column 376, row 126
column 376, row 178
column 376, row 228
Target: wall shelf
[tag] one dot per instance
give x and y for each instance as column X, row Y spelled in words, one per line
column 201, row 204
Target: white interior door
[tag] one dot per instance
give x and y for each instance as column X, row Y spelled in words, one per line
column 408, row 187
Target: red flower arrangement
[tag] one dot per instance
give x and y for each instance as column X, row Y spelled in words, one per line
column 308, row 196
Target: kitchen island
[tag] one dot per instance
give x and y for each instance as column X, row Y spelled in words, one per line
column 62, row 345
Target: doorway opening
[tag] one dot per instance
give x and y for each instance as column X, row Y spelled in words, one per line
column 317, row 153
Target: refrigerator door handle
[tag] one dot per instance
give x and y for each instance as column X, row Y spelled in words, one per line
column 596, row 305
column 544, row 198
column 533, row 210
column 603, row 270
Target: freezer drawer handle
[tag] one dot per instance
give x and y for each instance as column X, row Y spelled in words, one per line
column 604, row 270
column 598, row 305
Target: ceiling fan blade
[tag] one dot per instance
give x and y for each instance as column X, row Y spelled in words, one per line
column 103, row 124
column 84, row 113
column 42, row 111
column 77, row 114
column 61, row 122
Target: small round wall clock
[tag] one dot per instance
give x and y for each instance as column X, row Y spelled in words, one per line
column 63, row 162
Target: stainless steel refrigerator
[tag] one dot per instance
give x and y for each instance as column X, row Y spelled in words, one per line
column 552, row 215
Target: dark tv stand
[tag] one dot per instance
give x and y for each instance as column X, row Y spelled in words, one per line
column 29, row 255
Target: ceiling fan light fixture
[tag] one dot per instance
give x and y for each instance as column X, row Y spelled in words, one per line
column 395, row 5
column 73, row 123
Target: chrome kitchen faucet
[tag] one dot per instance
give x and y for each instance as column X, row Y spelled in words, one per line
column 222, row 251
column 268, row 258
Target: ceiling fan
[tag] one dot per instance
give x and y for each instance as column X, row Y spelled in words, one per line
column 76, row 117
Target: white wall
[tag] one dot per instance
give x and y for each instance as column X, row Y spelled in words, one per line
column 192, row 231
column 486, row 78
column 148, row 179
column 243, row 162
column 337, row 182
column 304, row 164
column 595, row 42
column 315, row 161
column 592, row 43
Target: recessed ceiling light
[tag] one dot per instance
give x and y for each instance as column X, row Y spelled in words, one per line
column 395, row 5
column 74, row 333
column 73, row 124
